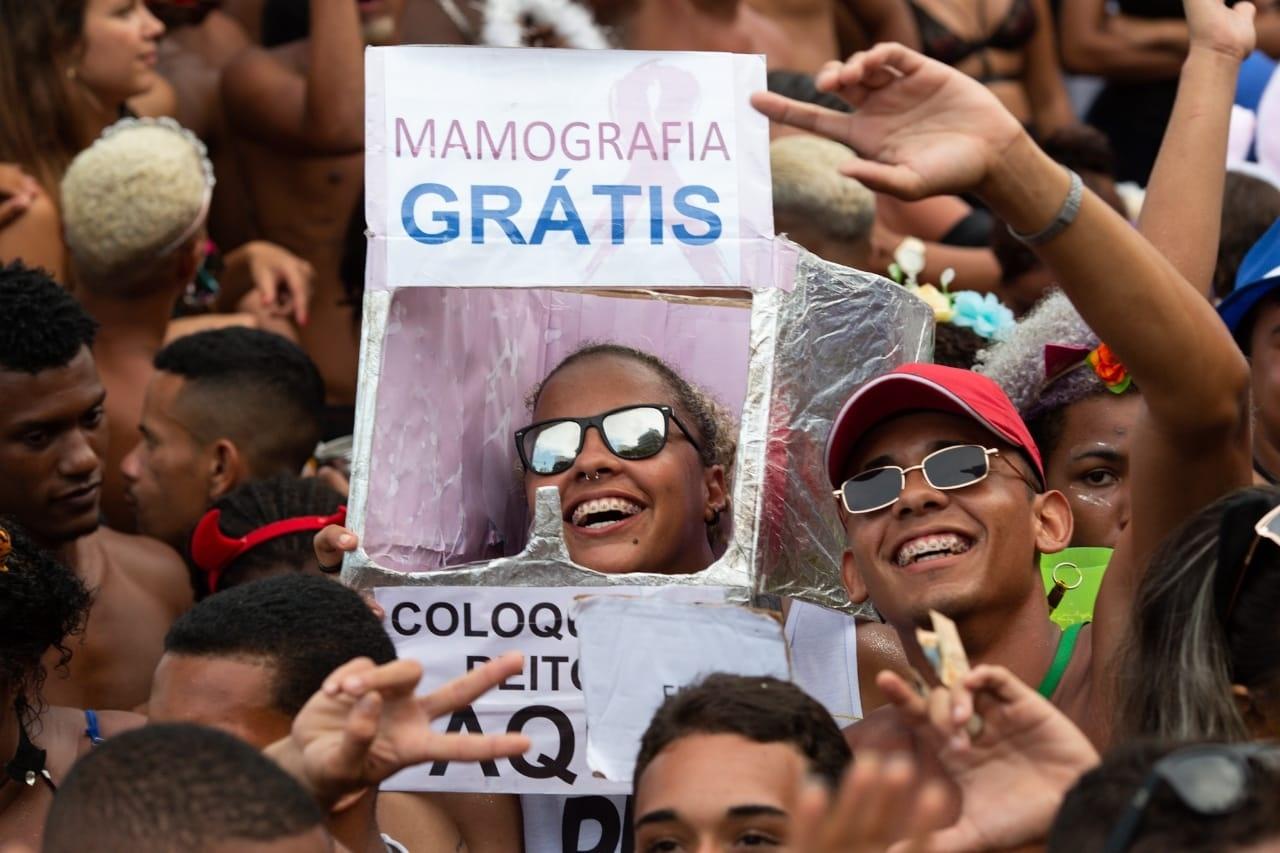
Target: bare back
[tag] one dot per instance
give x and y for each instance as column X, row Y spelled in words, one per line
column 303, row 202
column 139, row 588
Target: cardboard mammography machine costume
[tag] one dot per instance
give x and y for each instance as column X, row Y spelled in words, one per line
column 520, row 204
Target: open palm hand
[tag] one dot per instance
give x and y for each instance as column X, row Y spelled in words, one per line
column 920, row 127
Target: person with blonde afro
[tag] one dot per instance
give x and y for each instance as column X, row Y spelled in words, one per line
column 813, row 204
column 134, row 206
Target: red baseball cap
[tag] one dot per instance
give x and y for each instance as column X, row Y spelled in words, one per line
column 930, row 388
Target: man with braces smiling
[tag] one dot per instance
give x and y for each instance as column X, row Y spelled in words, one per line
column 921, row 129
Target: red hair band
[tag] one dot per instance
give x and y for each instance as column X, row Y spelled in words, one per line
column 212, row 550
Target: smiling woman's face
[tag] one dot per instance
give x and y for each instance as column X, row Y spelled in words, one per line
column 622, row 516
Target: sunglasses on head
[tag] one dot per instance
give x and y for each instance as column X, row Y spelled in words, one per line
column 1267, row 527
column 632, row 432
column 949, row 468
column 1211, row 780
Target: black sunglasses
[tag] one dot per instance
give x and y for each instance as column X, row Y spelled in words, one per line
column 632, row 432
column 949, row 468
column 1210, row 779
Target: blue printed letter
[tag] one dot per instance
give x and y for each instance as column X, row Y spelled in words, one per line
column 617, row 209
column 479, row 213
column 449, row 218
column 699, row 213
column 558, row 196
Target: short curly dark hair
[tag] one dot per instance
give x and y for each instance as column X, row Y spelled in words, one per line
column 42, row 602
column 44, row 326
column 176, row 786
column 302, row 627
column 758, row 708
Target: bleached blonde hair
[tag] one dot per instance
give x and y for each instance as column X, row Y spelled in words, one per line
column 138, row 193
column 807, row 185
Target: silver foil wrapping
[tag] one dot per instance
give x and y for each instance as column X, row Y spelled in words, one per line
column 810, row 347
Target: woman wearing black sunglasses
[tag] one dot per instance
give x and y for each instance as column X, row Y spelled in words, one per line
column 640, row 457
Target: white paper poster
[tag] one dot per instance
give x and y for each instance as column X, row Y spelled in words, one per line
column 636, row 652
column 450, row 630
column 512, row 167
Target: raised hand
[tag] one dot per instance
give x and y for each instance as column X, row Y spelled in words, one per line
column 921, row 128
column 880, row 801
column 1212, row 25
column 366, row 724
column 1013, row 775
column 281, row 280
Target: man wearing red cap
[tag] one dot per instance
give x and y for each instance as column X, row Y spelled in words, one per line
column 941, row 486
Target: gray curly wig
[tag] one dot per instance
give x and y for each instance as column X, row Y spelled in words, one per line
column 1016, row 363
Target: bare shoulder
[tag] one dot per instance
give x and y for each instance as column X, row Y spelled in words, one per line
column 114, row 723
column 258, row 69
column 226, row 37
column 35, row 237
column 152, row 564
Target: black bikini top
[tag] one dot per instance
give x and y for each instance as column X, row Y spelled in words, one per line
column 27, row 764
column 1017, row 28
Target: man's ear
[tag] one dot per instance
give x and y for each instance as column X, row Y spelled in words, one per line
column 1253, row 716
column 187, row 260
column 1054, row 524
column 852, row 578
column 227, row 468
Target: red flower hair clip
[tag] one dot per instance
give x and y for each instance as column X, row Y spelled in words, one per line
column 1109, row 369
column 1060, row 359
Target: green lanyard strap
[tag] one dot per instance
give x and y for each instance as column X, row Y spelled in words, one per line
column 1066, row 646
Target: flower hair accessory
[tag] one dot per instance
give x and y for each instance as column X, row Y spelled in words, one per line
column 1059, row 360
column 985, row 315
column 1109, row 369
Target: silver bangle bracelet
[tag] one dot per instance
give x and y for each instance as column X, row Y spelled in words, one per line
column 1066, row 215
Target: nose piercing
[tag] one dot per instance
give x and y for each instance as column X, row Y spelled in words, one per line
column 593, row 477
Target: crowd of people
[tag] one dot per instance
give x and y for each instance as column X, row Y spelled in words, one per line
column 1080, row 191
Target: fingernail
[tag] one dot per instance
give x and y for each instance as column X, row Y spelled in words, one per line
column 345, row 540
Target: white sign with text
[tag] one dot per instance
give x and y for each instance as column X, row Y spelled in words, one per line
column 450, row 630
column 636, row 652
column 511, row 167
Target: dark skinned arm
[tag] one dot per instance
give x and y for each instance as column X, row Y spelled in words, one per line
column 923, row 129
column 321, row 112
